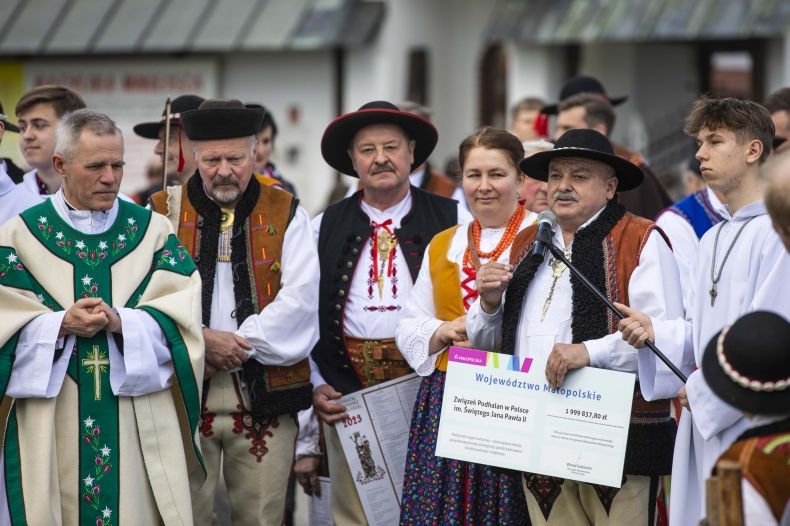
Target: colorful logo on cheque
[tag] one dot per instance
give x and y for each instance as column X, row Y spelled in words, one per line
column 490, row 360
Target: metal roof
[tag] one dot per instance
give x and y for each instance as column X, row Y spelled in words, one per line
column 578, row 21
column 52, row 27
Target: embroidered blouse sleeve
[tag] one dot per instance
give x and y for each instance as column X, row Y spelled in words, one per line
column 419, row 322
column 286, row 331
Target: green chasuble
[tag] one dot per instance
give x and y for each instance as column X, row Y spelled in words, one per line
column 87, row 456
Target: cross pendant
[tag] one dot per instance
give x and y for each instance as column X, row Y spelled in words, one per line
column 713, row 294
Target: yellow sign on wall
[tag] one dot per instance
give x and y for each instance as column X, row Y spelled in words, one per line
column 11, row 89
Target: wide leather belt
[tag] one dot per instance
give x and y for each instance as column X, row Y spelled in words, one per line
column 644, row 412
column 376, row 361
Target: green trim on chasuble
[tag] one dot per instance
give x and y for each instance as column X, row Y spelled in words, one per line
column 13, row 472
column 14, row 274
column 92, row 256
column 184, row 374
column 173, row 257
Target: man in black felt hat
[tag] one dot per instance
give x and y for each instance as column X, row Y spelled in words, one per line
column 371, row 247
column 252, row 244
column 584, row 103
column 179, row 156
column 752, row 374
column 548, row 315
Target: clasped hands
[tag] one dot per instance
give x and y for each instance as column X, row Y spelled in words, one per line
column 87, row 316
column 224, row 351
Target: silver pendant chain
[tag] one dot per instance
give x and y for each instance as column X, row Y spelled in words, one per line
column 715, row 277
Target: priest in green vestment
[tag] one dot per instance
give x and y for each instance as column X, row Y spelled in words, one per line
column 101, row 351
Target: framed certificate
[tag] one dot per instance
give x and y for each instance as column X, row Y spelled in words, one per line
column 500, row 410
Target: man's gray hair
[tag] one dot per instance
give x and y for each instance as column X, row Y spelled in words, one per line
column 67, row 135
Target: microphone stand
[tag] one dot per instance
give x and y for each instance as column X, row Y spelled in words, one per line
column 557, row 253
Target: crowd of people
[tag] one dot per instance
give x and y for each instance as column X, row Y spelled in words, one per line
column 153, row 352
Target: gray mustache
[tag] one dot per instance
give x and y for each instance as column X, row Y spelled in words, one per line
column 565, row 196
column 226, row 181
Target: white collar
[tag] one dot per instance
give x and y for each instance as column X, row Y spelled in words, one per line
column 396, row 212
column 757, row 208
column 86, row 221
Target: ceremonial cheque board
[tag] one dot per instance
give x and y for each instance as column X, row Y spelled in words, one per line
column 499, row 410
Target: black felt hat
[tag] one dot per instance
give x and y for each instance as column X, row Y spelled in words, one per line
column 7, row 125
column 340, row 132
column 582, row 84
column 588, row 144
column 221, row 119
column 182, row 103
column 748, row 364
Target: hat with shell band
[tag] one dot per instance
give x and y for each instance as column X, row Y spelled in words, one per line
column 748, row 364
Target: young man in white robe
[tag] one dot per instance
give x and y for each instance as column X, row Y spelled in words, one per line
column 102, row 350
column 741, row 267
column 39, row 111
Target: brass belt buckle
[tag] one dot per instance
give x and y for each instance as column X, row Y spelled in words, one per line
column 367, row 360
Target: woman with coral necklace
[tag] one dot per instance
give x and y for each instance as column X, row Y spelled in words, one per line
column 438, row 490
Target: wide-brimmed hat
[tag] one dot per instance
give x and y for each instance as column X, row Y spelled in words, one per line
column 182, row 103
column 582, row 84
column 748, row 366
column 588, row 144
column 340, row 132
column 7, row 125
column 221, row 119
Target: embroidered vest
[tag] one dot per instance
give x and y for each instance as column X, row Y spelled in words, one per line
column 651, row 436
column 287, row 388
column 698, row 211
column 345, row 230
column 445, row 276
column 765, row 463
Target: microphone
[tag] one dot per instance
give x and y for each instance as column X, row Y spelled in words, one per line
column 543, row 239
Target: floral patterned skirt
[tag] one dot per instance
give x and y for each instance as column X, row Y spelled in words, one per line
column 439, row 490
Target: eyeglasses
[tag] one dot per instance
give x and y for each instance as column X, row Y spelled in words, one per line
column 777, row 142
